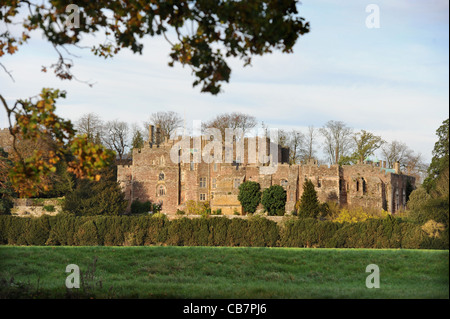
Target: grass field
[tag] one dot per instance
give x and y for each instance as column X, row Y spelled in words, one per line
column 219, row 272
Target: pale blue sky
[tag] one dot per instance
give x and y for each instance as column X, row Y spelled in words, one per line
column 392, row 81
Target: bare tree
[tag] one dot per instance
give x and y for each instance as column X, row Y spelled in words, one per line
column 169, row 121
column 414, row 165
column 116, row 137
column 294, row 140
column 395, row 151
column 310, row 140
column 90, row 124
column 297, row 146
column 338, row 140
column 235, row 120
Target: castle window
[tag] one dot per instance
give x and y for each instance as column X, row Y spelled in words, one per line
column 161, row 190
column 213, row 182
column 202, row 197
column 357, row 186
column 212, row 195
column 364, row 186
column 284, row 182
column 319, row 183
column 191, row 167
column 237, row 182
column 202, row 182
column 161, row 176
column 162, row 160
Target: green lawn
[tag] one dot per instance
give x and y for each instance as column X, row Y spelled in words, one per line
column 219, row 272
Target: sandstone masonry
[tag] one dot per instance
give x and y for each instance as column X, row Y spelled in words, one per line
column 154, row 176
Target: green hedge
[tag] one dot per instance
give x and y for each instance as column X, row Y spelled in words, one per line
column 218, row 231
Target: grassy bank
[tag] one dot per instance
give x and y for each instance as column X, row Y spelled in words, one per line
column 216, row 272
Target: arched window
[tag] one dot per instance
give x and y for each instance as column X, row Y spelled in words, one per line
column 161, row 190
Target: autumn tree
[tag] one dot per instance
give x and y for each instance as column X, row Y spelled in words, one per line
column 35, row 121
column 6, row 190
column 202, row 34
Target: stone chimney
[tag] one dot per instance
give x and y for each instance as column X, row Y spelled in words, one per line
column 151, row 138
column 158, row 135
column 397, row 167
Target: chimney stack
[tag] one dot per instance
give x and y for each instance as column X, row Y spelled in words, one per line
column 397, row 167
column 151, row 139
column 158, row 134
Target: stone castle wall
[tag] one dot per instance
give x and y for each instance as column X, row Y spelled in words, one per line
column 154, row 176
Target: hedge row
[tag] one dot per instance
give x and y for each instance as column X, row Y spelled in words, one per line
column 218, row 231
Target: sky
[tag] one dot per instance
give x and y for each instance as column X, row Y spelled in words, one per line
column 392, row 81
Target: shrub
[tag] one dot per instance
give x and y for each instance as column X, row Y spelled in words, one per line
column 180, row 232
column 38, row 231
column 138, row 207
column 433, row 229
column 262, row 232
column 309, row 204
column 435, row 209
column 86, row 234
column 49, row 208
column 249, row 196
column 197, row 208
column 236, row 232
column 218, row 228
column 96, row 198
column 274, row 200
column 256, row 231
column 157, row 231
column 417, row 198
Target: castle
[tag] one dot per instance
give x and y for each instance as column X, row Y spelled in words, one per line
column 154, row 176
